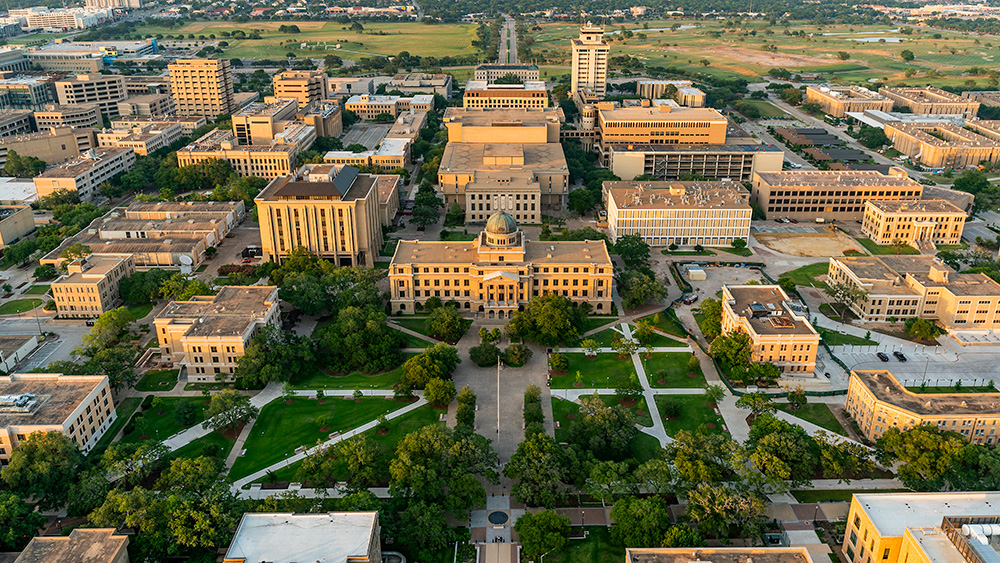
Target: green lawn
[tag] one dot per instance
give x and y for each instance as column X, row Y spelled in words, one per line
column 420, row 325
column 204, row 446
column 878, row 249
column 835, row 338
column 159, row 421
column 694, row 413
column 355, row 380
column 951, row 389
column 606, row 336
column 645, row 447
column 818, row 414
column 40, row 289
column 668, row 252
column 767, row 109
column 810, row 496
column 282, row 427
column 19, row 306
column 806, row 275
column 604, row 371
column 158, row 380
column 203, row 386
column 458, row 236
column 139, row 311
column 414, row 341
column 124, row 411
column 668, row 322
column 737, row 251
column 960, row 246
column 677, row 371
column 598, row 321
column 598, row 547
column 563, row 409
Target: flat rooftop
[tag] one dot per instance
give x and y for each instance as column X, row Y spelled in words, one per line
column 944, row 135
column 507, row 67
column 689, row 148
column 884, row 385
column 227, row 313
column 483, row 85
column 890, row 513
column 95, row 268
column 914, row 206
column 892, row 268
column 83, row 545
column 17, row 189
column 678, row 195
column 763, row 306
column 84, row 163
column 503, row 117
column 684, row 114
column 847, row 92
column 268, row 109
column 538, row 157
column 835, row 179
column 925, row 95
column 718, row 555
column 11, row 343
column 336, row 537
column 223, row 208
column 465, row 252
column 57, row 397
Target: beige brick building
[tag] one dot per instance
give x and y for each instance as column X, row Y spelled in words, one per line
column 778, row 335
column 150, row 105
column 735, row 162
column 922, row 223
column 353, row 537
column 836, row 101
column 16, row 221
column 305, row 86
column 207, row 335
column 202, row 87
column 85, row 174
column 686, row 93
column 89, row 287
column 934, row 101
column 493, row 72
column 369, row 106
column 480, row 94
column 943, row 145
column 839, row 195
column 55, row 145
column 188, row 124
column 589, row 66
column 661, row 125
column 421, row 83
column 463, row 164
column 143, row 140
column 878, row 401
column 681, row 213
column 80, row 115
column 77, row 406
column 899, row 287
column 102, row 90
column 90, row 545
column 516, row 193
column 266, row 161
column 499, row 272
column 389, row 155
column 466, row 125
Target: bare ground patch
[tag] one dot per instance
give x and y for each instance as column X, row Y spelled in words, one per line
column 739, row 55
column 830, row 243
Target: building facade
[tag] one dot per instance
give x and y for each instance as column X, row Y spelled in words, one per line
column 681, row 91
column 421, row 83
column 671, row 162
column 54, row 146
column 80, row 115
column 202, row 87
column 922, row 223
column 89, row 287
column 143, row 140
column 480, row 94
column 493, row 72
column 778, row 335
column 15, row 122
column 102, row 90
column 266, row 161
column 369, row 107
column 657, row 125
column 933, row 101
column 589, row 66
column 148, row 105
column 944, row 145
column 305, row 86
column 85, row 174
column 836, row 101
column 16, row 222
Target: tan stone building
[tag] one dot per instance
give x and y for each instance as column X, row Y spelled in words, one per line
column 77, row 406
column 493, row 72
column 55, row 145
column 466, row 125
column 878, row 401
column 466, row 163
column 686, row 94
column 661, row 125
column 517, row 193
column 143, row 140
column 85, row 174
column 331, row 211
column 922, row 223
column 15, row 122
column 266, row 161
column 102, row 90
column 421, row 83
column 259, row 122
column 778, row 335
column 899, row 287
column 499, row 272
column 325, row 117
column 480, row 94
column 86, row 545
column 207, row 335
column 151, row 105
column 202, row 87
column 669, row 162
column 943, row 145
column 89, row 287
column 352, row 537
column 718, row 554
column 368, row 106
column 836, row 101
column 839, row 195
column 681, row 213
column 388, row 186
column 81, row 115
column 188, row 124
column 389, row 155
column 934, row 101
column 305, row 86
column 16, row 221
column 589, row 66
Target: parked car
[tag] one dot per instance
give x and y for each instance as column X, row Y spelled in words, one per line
column 882, row 356
column 899, row 356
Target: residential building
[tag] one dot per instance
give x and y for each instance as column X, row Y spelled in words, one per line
column 943, row 145
column 466, row 163
column 23, row 91
column 468, row 125
column 103, row 90
column 77, row 115
column 332, row 211
column 266, row 161
column 718, row 555
column 929, row 100
column 15, row 122
column 85, row 174
column 493, row 72
column 341, row 88
column 14, row 348
column 836, row 101
column 732, row 161
column 778, row 334
column 481, row 94
column 202, row 87
column 16, row 221
column 77, row 406
column 151, row 105
column 143, row 140
column 369, row 107
column 89, row 287
column 878, row 401
column 207, row 335
column 681, row 213
column 920, row 223
column 660, row 125
column 336, row 537
column 515, row 192
column 838, row 195
column 499, row 272
column 589, row 66
column 188, row 124
column 13, row 58
column 54, row 146
column 899, row 287
column 683, row 91
column 305, row 86
column 390, row 154
column 421, row 83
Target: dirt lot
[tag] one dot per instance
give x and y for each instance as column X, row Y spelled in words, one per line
column 761, row 58
column 830, row 243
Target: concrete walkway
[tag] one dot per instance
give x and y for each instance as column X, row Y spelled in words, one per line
column 185, row 437
column 574, row 394
column 657, row 431
column 813, row 429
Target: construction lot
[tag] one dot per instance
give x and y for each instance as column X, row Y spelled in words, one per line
column 805, row 240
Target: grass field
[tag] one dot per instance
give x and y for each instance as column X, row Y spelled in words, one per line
column 420, row 325
column 767, row 109
column 834, row 338
column 694, row 412
column 668, row 322
column 810, row 496
column 677, row 374
column 885, row 249
column 354, row 380
column 158, row 380
column 40, row 289
column 16, row 306
column 597, row 546
column 565, row 412
column 605, row 371
column 818, row 414
column 951, row 389
column 139, row 311
column 414, row 341
column 158, row 422
column 213, row 442
column 806, row 275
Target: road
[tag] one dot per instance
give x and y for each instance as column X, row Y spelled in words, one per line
column 508, row 41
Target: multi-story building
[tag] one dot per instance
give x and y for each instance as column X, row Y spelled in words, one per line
column 207, row 335
column 139, row 85
column 331, row 211
column 389, row 155
column 989, row 98
column 681, row 213
column 368, row 106
column 150, row 105
column 341, row 88
column 683, row 91
column 589, row 66
column 77, row 406
column 89, row 287
column 202, row 87
column 85, row 174
column 944, row 145
column 466, row 125
column 14, row 348
column 15, row 122
column 325, row 117
column 19, row 91
column 660, row 125
column 838, row 195
column 114, row 3
column 78, row 115
column 899, row 287
column 463, row 164
column 188, row 124
column 718, row 554
column 493, row 72
column 54, row 146
column 41, row 17
column 305, row 86
column 836, row 101
column 778, row 334
column 408, row 126
column 258, row 123
column 266, row 161
column 421, row 83
column 143, row 140
column 499, row 272
column 102, row 90
column 16, row 221
column 877, row 401
column 333, row 536
column 516, row 192
column 93, row 545
column 669, row 162
column 13, row 59
column 929, row 100
column 66, row 58
column 920, row 223
column 481, row 94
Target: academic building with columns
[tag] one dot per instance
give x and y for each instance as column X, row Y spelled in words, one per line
column 499, row 272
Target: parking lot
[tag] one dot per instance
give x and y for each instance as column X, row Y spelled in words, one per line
column 367, row 134
column 975, row 229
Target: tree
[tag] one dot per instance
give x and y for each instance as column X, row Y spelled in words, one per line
column 446, row 324
column 549, row 320
column 44, row 466
column 846, row 295
column 714, row 393
column 559, row 362
column 926, row 454
column 365, row 461
column 424, row 530
column 274, row 355
column 438, row 361
column 181, row 287
column 719, row 509
column 782, row 451
column 541, row 532
column 133, row 462
column 485, row 354
column 633, row 251
column 792, row 96
column 700, row 457
column 872, row 137
column 843, row 55
column 360, row 339
column 228, row 410
column 108, row 329
column 539, row 469
column 640, row 522
column 624, row 346
column 45, row 272
column 19, row 522
column 606, row 432
column 711, row 323
column 682, row 536
column 582, row 200
column 797, row 398
column 610, row 480
column 590, row 347
column 516, row 355
column 639, row 287
column 22, row 166
column 757, row 403
column 922, row 328
column 631, row 389
column 733, row 349
column 455, row 215
column 906, row 55
column 465, row 415
column 439, row 391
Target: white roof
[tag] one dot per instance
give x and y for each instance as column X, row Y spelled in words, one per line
column 284, row 537
column 892, row 512
column 18, row 189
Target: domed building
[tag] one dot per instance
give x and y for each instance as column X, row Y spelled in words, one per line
column 500, row 271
